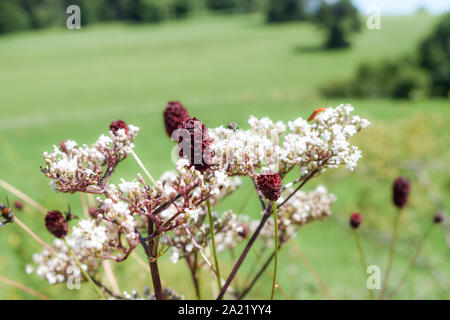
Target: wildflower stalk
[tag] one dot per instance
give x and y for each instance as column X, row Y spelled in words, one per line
column 362, row 257
column 23, row 288
column 391, row 256
column 213, row 245
column 23, row 196
column 274, row 280
column 252, row 240
column 139, row 162
column 85, row 274
column 33, row 235
column 152, row 250
column 413, row 260
column 111, row 278
column 192, row 265
column 313, row 271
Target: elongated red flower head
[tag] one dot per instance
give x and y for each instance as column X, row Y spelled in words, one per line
column 355, row 220
column 438, row 218
column 270, row 185
column 118, row 124
column 197, row 149
column 174, row 116
column 56, row 224
column 400, row 192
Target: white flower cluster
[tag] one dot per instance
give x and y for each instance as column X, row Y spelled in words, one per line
column 75, row 168
column 116, row 211
column 56, row 267
column 318, row 144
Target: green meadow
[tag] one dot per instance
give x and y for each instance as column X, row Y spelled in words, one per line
column 57, row 84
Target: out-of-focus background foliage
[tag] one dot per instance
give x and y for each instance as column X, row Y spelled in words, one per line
column 226, row 60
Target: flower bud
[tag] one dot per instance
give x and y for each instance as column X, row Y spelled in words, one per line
column 438, row 218
column 270, row 185
column 400, row 193
column 56, row 224
column 118, row 124
column 355, row 220
column 18, row 205
column 174, row 116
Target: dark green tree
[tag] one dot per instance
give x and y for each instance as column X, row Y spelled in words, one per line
column 434, row 56
column 222, row 5
column 285, row 10
column 12, row 17
column 340, row 20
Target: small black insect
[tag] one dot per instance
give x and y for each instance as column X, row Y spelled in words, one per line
column 69, row 215
column 7, row 213
column 233, row 126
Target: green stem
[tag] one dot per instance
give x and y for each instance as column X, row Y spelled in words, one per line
column 363, row 259
column 391, row 256
column 85, row 274
column 213, row 245
column 413, row 261
column 275, row 217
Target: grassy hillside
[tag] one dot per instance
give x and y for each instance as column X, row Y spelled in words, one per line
column 57, row 84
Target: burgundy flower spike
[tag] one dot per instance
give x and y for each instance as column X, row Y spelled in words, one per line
column 56, row 224
column 174, row 116
column 118, row 124
column 198, row 146
column 355, row 220
column 438, row 218
column 400, row 193
column 270, row 185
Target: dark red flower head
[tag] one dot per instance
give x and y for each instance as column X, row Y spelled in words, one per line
column 197, row 149
column 56, row 224
column 118, row 124
column 270, row 185
column 438, row 218
column 400, row 193
column 174, row 116
column 18, row 205
column 355, row 220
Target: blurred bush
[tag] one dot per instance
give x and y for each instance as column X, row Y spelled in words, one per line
column 404, row 78
column 399, row 79
column 12, row 17
column 222, row 5
column 285, row 10
column 434, row 56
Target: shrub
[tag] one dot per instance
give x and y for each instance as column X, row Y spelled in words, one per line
column 44, row 13
column 222, row 5
column 12, row 17
column 180, row 8
column 400, row 79
column 434, row 56
column 285, row 10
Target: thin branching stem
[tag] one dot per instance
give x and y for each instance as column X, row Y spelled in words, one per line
column 213, row 245
column 391, row 256
column 85, row 274
column 362, row 258
column 274, row 280
column 413, row 261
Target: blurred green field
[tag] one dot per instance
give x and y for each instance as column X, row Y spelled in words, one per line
column 57, row 84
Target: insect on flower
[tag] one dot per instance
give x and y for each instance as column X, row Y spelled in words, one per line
column 315, row 113
column 7, row 213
